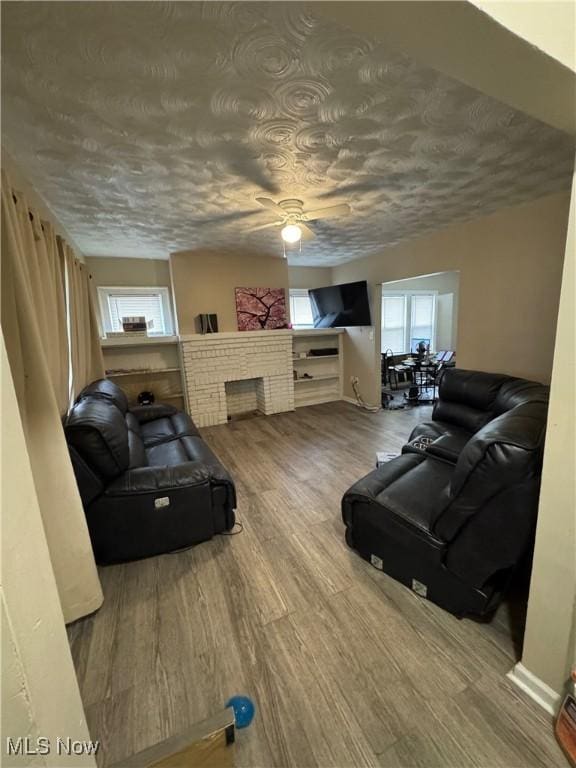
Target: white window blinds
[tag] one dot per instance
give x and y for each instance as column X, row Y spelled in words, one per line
column 394, row 324
column 407, row 319
column 422, row 322
column 300, row 309
column 149, row 307
column 151, row 303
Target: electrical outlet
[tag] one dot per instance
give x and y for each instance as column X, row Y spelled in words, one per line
column 354, row 379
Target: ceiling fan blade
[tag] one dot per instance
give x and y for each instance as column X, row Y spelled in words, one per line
column 327, row 213
column 266, row 226
column 307, row 233
column 265, row 202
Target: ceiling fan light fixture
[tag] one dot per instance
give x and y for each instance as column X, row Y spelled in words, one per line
column 291, row 233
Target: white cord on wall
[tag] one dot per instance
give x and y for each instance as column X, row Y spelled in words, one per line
column 360, row 401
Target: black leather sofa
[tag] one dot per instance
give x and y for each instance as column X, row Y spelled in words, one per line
column 453, row 516
column 148, row 481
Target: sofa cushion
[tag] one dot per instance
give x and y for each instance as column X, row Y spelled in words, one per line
column 505, row 453
column 412, row 488
column 132, row 422
column 106, row 390
column 145, row 479
column 448, row 447
column 448, row 439
column 180, row 451
column 167, row 428
column 97, row 430
column 467, row 398
column 152, row 411
column 136, row 450
column 517, row 392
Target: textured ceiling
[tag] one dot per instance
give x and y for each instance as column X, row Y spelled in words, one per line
column 152, row 127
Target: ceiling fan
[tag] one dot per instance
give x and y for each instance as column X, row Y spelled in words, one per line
column 293, row 220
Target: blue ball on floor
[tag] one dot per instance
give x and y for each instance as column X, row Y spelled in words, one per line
column 244, row 710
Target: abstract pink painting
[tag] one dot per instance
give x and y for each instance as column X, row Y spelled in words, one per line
column 260, row 309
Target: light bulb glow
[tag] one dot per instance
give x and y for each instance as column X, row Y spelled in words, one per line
column 291, row 233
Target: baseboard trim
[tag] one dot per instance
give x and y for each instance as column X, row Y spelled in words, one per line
column 541, row 693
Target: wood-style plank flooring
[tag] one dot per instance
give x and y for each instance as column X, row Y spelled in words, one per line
column 347, row 667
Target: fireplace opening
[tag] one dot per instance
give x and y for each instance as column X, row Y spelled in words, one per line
column 244, row 398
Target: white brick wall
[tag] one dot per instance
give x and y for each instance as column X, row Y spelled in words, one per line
column 210, row 361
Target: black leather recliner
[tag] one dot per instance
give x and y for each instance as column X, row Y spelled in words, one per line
column 455, row 513
column 149, row 483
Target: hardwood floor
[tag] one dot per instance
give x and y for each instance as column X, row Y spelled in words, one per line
column 346, row 667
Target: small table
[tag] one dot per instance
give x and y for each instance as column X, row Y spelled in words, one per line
column 425, row 375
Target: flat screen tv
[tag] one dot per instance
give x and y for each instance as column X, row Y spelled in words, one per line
column 340, row 306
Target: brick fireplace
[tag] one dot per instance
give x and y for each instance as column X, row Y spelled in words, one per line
column 260, row 359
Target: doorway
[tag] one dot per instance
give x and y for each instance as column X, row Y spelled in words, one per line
column 418, row 336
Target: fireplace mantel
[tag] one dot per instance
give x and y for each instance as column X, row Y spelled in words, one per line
column 227, row 335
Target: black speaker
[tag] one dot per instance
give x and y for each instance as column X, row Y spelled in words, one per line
column 207, row 323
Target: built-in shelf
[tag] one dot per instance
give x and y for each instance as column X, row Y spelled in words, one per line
column 143, row 363
column 325, row 382
column 308, row 358
column 322, row 377
column 140, row 372
column 140, row 341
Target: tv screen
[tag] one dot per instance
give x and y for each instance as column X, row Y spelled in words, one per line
column 338, row 306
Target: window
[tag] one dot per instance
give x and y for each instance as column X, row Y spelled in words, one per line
column 422, row 321
column 300, row 308
column 151, row 303
column 407, row 319
column 394, row 324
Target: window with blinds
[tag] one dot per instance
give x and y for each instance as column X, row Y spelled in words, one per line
column 300, row 308
column 422, row 320
column 394, row 324
column 408, row 319
column 151, row 303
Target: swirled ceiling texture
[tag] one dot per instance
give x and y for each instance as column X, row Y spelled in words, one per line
column 151, row 127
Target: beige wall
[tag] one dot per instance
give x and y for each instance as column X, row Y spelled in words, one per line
column 40, row 695
column 114, row 272
column 510, row 266
column 135, row 273
column 551, row 622
column 549, row 639
column 309, row 277
column 540, row 23
column 204, row 282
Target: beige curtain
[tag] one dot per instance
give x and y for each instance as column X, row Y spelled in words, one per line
column 44, row 275
column 32, row 302
column 86, row 351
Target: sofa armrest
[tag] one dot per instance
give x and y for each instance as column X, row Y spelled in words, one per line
column 448, row 447
column 152, row 479
column 145, row 413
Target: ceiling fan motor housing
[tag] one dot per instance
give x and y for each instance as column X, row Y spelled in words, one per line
column 293, row 209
